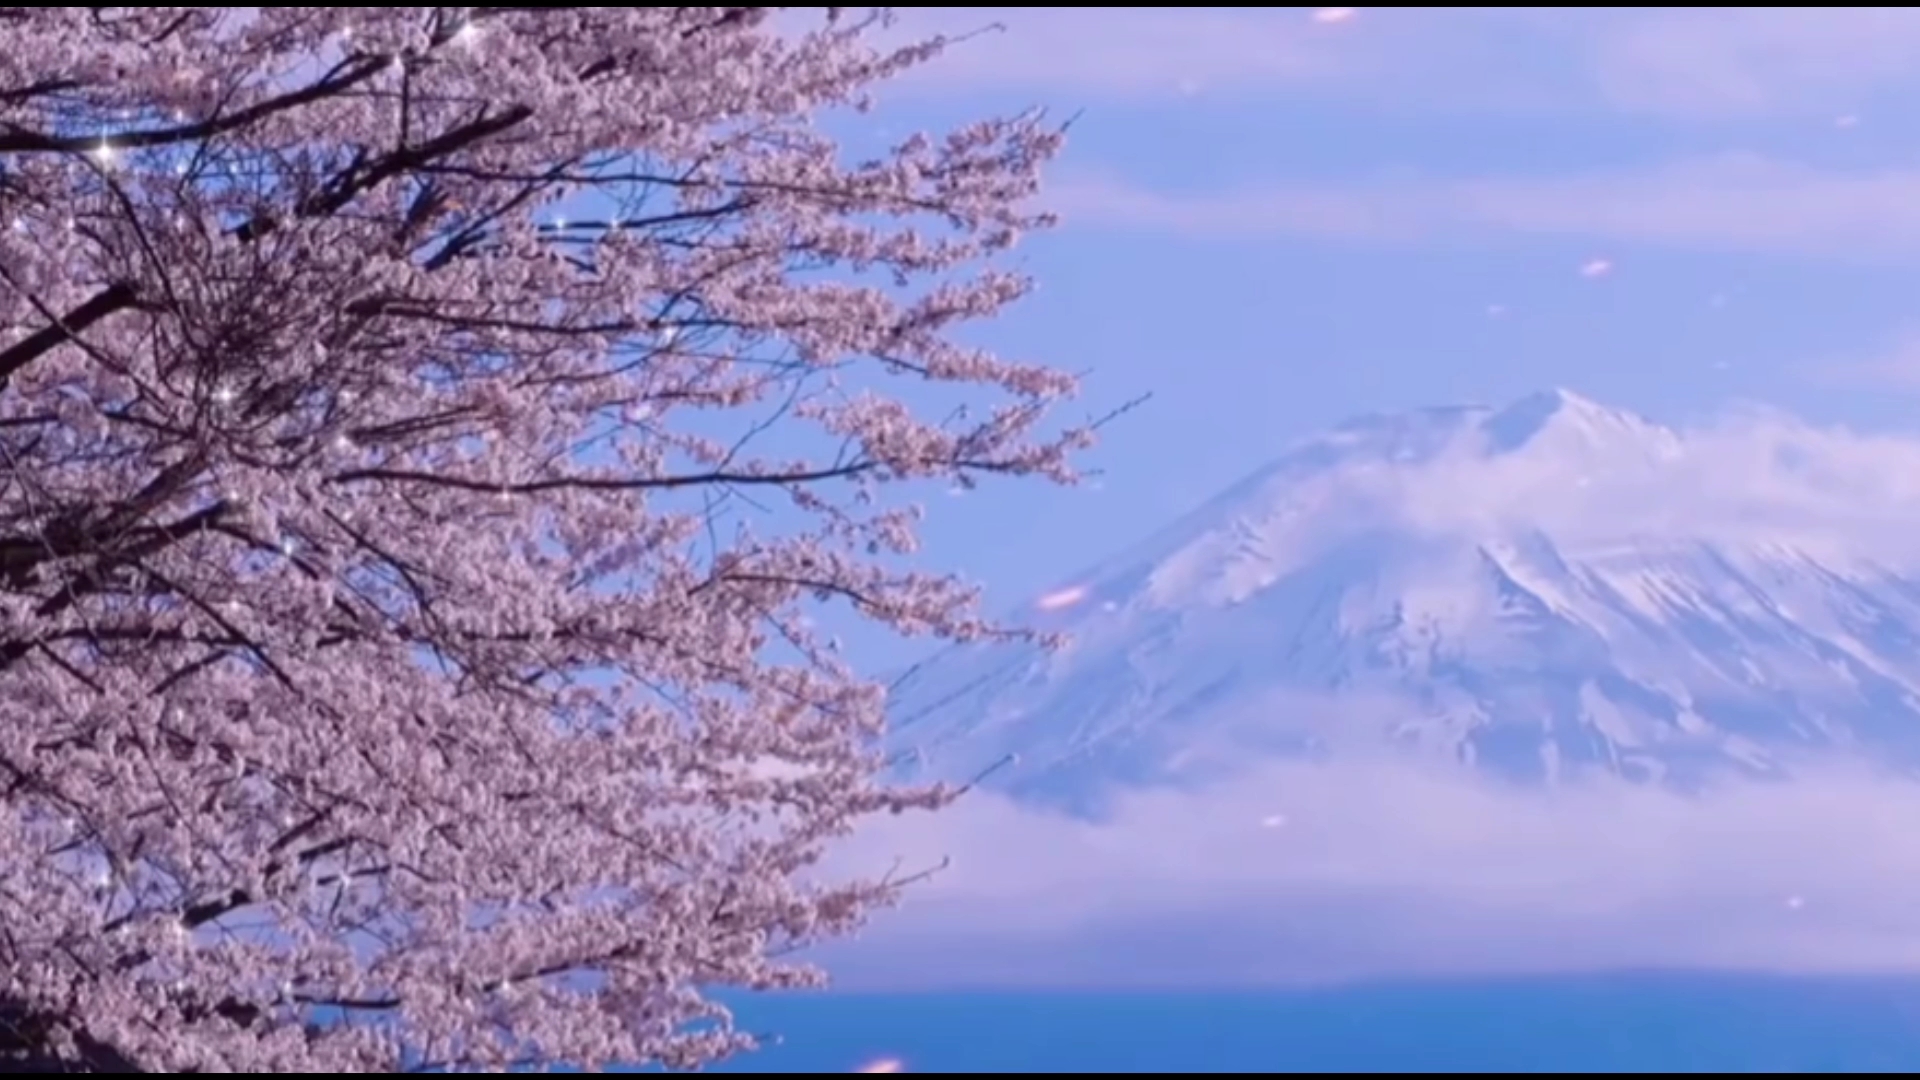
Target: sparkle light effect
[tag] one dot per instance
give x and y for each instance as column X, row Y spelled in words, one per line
column 883, row 1065
column 1594, row 268
column 1330, row 15
column 1063, row 598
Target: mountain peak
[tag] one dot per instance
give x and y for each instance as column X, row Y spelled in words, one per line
column 1560, row 415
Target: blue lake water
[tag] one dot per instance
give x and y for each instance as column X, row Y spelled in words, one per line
column 1614, row 1023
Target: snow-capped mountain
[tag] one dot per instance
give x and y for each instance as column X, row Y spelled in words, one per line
column 1539, row 590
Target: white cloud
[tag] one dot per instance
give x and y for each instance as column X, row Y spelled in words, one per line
column 1731, row 61
column 1681, row 62
column 1748, row 476
column 1806, row 64
column 1391, row 868
column 1133, row 52
column 1734, row 203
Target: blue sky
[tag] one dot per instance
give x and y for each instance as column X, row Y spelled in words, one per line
column 1274, row 222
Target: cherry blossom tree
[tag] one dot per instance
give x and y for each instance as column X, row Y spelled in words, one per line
column 425, row 436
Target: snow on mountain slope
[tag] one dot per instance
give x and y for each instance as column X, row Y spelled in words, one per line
column 1540, row 590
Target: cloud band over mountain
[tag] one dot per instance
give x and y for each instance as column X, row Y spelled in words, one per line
column 1301, row 872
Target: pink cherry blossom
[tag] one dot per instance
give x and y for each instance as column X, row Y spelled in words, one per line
column 424, row 433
